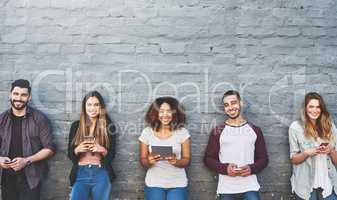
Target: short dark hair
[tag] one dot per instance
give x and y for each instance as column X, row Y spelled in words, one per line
column 22, row 83
column 231, row 92
column 178, row 113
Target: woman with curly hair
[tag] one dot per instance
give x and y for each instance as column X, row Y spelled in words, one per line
column 165, row 177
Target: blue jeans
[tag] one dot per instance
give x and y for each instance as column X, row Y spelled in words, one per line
column 316, row 194
column 157, row 193
column 250, row 195
column 93, row 181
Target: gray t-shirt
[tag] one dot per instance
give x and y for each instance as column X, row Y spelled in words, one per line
column 163, row 174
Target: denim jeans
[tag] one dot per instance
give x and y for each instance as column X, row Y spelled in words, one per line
column 17, row 188
column 250, row 195
column 157, row 193
column 316, row 194
column 92, row 180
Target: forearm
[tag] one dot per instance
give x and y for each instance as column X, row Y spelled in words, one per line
column 182, row 163
column 145, row 163
column 333, row 156
column 299, row 158
column 41, row 155
column 215, row 165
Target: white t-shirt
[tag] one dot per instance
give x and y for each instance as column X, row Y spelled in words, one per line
column 237, row 146
column 163, row 174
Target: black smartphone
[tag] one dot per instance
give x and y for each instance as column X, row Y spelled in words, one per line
column 8, row 161
column 324, row 144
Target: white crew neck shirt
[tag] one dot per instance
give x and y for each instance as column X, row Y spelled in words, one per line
column 163, row 174
column 237, row 146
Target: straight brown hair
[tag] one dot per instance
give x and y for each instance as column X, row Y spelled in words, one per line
column 101, row 129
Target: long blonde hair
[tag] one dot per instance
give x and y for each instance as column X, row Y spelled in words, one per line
column 101, row 131
column 323, row 127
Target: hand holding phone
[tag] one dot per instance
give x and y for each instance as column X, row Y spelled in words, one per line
column 237, row 170
column 4, row 162
column 324, row 148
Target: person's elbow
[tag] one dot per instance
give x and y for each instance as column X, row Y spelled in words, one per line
column 50, row 152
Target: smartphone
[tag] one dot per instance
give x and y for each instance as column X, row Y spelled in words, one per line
column 8, row 161
column 237, row 169
column 163, row 151
column 324, row 144
column 89, row 139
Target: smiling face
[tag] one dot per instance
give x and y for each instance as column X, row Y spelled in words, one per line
column 19, row 98
column 232, row 106
column 92, row 107
column 165, row 114
column 313, row 109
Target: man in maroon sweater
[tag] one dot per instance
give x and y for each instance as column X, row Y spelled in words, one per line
column 237, row 152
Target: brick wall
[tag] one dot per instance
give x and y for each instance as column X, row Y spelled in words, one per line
column 135, row 50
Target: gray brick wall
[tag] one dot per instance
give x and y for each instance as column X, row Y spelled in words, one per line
column 135, row 50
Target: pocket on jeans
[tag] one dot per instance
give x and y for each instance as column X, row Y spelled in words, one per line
column 81, row 174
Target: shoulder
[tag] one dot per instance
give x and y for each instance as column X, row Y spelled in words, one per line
column 296, row 125
column 37, row 114
column 147, row 131
column 217, row 130
column 257, row 130
column 182, row 132
column 111, row 127
column 73, row 129
column 75, row 124
column 3, row 116
column 254, row 127
column 4, row 113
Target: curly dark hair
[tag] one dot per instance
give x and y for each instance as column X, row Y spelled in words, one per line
column 178, row 113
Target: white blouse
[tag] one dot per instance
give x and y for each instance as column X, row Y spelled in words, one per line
column 321, row 176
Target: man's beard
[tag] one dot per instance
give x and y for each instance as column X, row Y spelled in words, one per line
column 24, row 104
column 236, row 116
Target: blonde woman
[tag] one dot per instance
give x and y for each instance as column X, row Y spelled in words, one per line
column 313, row 155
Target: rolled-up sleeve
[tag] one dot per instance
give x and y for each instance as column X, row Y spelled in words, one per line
column 45, row 133
column 293, row 141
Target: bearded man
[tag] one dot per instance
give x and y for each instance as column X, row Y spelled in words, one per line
column 25, row 144
column 236, row 150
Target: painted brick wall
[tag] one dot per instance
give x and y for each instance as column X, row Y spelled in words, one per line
column 135, row 50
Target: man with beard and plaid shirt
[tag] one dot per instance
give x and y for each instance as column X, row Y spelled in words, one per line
column 25, row 144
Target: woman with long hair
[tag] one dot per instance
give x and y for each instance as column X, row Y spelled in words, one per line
column 312, row 141
column 91, row 148
column 165, row 151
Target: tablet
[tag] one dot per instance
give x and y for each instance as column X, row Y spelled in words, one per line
column 163, row 151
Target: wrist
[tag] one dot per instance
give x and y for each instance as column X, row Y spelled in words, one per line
column 332, row 151
column 28, row 161
column 104, row 152
column 306, row 155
